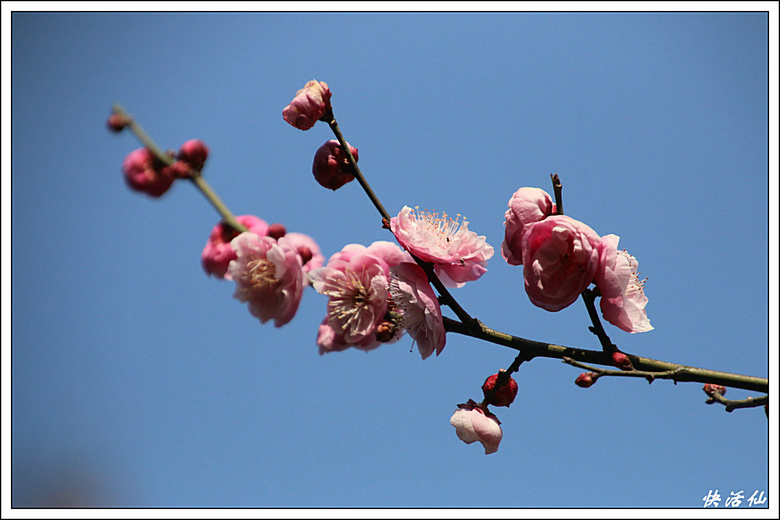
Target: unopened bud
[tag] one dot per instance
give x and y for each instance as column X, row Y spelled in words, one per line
column 621, row 361
column 194, row 153
column 504, row 395
column 117, row 122
column 305, row 254
column 276, row 231
column 711, row 389
column 586, row 379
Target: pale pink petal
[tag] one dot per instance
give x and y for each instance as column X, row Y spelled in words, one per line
column 527, row 206
column 458, row 255
column 560, row 258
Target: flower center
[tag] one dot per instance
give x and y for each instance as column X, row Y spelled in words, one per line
column 348, row 299
column 633, row 280
column 260, row 274
column 442, row 227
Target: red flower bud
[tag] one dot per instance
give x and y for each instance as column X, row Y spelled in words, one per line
column 586, row 379
column 711, row 389
column 276, row 231
column 621, row 361
column 194, row 153
column 503, row 395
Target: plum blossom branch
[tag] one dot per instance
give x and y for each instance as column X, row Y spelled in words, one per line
column 195, row 175
column 532, row 349
column 446, row 297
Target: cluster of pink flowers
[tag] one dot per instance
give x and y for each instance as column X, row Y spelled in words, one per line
column 144, row 172
column 268, row 265
column 562, row 256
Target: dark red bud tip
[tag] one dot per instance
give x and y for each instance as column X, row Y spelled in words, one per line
column 117, row 122
column 621, row 361
column 305, row 254
column 711, row 389
column 586, row 379
column 276, row 231
column 503, row 395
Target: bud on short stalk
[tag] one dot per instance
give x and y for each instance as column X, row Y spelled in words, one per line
column 504, row 395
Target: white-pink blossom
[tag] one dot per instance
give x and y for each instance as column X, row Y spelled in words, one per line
column 356, row 281
column 458, row 255
column 415, row 301
column 309, row 105
column 527, row 206
column 268, row 277
column 560, row 258
column 623, row 298
column 473, row 423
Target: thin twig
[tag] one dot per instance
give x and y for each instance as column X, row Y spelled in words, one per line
column 557, row 190
column 731, row 405
column 650, row 376
column 589, row 297
column 196, row 177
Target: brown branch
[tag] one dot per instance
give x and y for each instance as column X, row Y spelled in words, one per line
column 531, row 349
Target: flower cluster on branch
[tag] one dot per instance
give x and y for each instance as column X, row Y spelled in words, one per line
column 378, row 293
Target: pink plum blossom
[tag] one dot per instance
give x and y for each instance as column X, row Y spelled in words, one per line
column 144, row 172
column 415, row 301
column 218, row 253
column 331, row 165
column 458, row 255
column 623, row 298
column 268, row 277
column 560, row 258
column 474, row 422
column 309, row 105
column 527, row 206
column 356, row 280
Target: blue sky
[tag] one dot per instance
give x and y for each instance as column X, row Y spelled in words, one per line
column 140, row 382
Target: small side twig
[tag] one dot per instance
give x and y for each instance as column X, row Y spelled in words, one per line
column 557, row 190
column 589, row 297
column 731, row 405
column 650, row 376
